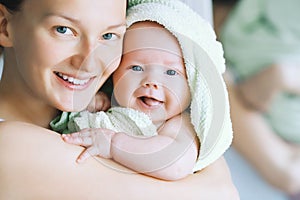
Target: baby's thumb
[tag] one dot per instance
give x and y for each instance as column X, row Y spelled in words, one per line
column 91, row 151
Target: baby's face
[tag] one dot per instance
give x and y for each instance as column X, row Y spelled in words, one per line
column 151, row 77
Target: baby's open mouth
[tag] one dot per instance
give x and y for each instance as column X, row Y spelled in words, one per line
column 150, row 101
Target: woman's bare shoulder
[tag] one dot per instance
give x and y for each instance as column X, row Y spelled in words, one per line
column 41, row 154
column 15, row 125
column 10, row 129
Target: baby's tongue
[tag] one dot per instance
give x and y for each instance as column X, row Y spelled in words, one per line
column 151, row 101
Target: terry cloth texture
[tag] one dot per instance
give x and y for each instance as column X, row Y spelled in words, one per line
column 118, row 119
column 257, row 34
column 204, row 62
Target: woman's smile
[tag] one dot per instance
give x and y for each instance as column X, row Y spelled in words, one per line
column 73, row 83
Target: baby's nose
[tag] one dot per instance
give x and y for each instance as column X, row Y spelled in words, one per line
column 152, row 85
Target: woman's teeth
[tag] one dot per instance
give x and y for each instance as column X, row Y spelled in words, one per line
column 72, row 79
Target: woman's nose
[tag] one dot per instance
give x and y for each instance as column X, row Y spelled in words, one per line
column 85, row 55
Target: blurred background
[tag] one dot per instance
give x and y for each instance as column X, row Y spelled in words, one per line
column 261, row 40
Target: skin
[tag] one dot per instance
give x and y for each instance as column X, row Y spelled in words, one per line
column 152, row 80
column 59, row 177
column 35, row 163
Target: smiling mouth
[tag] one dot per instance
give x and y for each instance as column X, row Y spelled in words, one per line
column 151, row 102
column 72, row 80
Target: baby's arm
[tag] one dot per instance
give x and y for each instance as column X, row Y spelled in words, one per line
column 170, row 155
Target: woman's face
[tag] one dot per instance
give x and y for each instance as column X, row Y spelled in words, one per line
column 66, row 49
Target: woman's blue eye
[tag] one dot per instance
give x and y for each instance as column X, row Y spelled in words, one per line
column 137, row 68
column 171, row 72
column 109, row 36
column 63, row 30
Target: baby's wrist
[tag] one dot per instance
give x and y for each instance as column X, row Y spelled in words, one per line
column 110, row 135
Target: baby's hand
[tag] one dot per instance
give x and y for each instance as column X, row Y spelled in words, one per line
column 96, row 141
column 100, row 102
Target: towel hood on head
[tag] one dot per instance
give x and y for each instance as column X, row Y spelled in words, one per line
column 204, row 62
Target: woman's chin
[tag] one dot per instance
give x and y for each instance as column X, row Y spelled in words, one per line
column 72, row 107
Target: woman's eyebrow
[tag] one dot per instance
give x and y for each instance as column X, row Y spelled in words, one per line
column 77, row 21
column 120, row 25
column 60, row 15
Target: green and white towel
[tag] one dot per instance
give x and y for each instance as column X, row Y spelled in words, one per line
column 118, row 119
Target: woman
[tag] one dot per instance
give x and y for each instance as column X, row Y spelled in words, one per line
column 70, row 48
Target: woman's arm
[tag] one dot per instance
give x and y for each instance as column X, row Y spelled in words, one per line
column 276, row 160
column 36, row 164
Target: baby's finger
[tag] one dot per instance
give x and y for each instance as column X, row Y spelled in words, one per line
column 83, row 133
column 91, row 151
column 78, row 139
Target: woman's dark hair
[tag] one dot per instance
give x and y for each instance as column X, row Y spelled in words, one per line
column 12, row 5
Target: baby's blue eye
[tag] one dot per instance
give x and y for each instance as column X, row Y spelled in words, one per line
column 137, row 68
column 109, row 36
column 63, row 30
column 171, row 72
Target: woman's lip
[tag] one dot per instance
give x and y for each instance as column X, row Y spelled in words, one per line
column 72, row 82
